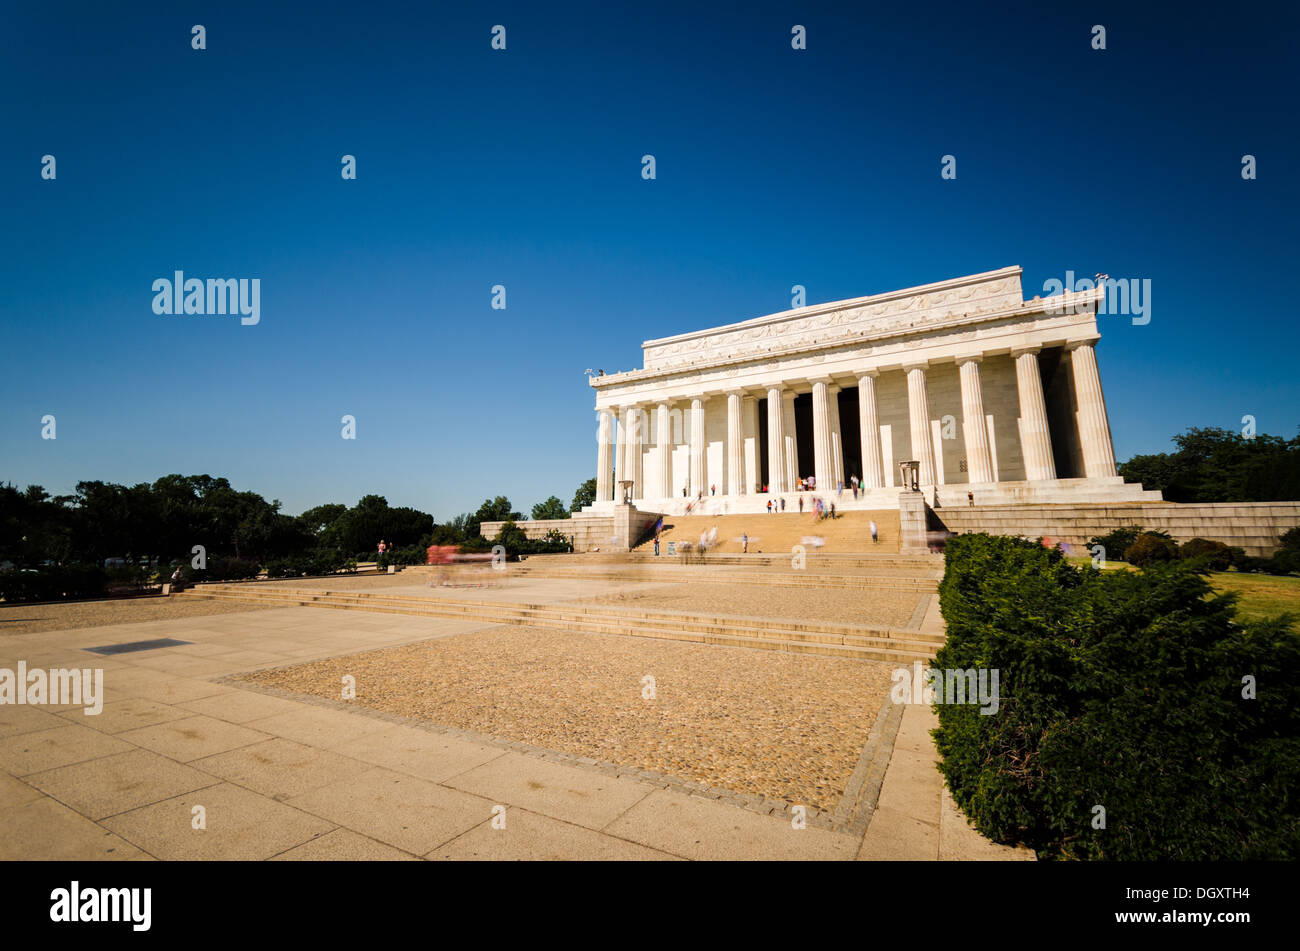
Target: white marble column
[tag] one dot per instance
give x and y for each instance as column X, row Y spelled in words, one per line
column 869, row 430
column 837, row 438
column 620, row 449
column 979, row 461
column 604, row 457
column 636, row 437
column 1091, row 417
column 665, row 440
column 735, row 447
column 1035, row 436
column 791, row 442
column 775, row 441
column 697, row 448
column 918, row 410
column 822, row 452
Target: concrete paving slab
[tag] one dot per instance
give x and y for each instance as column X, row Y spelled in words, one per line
column 61, row 746
column 193, row 737
column 427, row 755
column 411, row 814
column 14, row 792
column 574, row 795
column 50, row 831
column 281, row 768
column 241, row 826
column 15, row 719
column 319, row 727
column 898, row 836
column 528, row 836
column 112, row 784
column 240, row 706
column 131, row 713
column 696, row 828
column 346, row 846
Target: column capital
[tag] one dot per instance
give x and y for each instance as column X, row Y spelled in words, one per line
column 916, row 365
column 863, row 374
column 1076, row 344
column 1018, row 352
column 970, row 358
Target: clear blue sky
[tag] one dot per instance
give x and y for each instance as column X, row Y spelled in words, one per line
column 522, row 167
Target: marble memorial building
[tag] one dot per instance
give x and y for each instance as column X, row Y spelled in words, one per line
column 989, row 393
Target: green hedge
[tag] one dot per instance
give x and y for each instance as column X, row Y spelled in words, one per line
column 53, row 584
column 1119, row 689
column 321, row 562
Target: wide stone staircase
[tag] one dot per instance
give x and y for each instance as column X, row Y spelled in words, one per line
column 779, row 533
column 859, row 641
column 899, row 572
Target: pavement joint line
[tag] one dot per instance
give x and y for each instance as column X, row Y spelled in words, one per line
column 918, row 616
column 862, row 791
column 699, row 790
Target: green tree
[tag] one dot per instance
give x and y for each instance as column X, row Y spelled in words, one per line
column 586, row 495
column 551, row 508
column 492, row 510
column 1218, row 465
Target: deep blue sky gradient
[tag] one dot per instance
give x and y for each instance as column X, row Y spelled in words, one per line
column 522, row 168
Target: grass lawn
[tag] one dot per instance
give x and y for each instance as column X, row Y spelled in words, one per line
column 1260, row 595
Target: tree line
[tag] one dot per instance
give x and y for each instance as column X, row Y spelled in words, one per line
column 162, row 522
column 1218, row 465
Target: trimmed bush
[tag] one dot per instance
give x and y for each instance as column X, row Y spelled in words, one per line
column 1117, row 542
column 66, row 582
column 517, row 543
column 1151, row 548
column 1122, row 690
column 1217, row 555
column 227, row 569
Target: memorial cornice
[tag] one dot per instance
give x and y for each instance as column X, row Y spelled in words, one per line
column 1071, row 305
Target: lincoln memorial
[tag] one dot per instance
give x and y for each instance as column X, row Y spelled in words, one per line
column 988, row 393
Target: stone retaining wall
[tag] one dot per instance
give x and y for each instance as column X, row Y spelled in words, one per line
column 1254, row 526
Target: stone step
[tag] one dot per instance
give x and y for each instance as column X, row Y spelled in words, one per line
column 832, row 640
column 566, row 612
column 793, row 580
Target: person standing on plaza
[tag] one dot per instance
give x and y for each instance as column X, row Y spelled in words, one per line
column 875, row 532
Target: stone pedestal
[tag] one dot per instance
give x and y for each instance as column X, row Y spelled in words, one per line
column 912, row 519
column 629, row 525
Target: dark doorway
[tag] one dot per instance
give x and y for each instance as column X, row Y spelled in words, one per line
column 803, row 434
column 850, row 433
column 761, row 476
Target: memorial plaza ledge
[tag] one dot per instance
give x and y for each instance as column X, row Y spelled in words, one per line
column 989, row 393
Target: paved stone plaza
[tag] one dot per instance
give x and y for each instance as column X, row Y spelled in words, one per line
column 285, row 774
